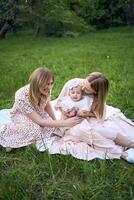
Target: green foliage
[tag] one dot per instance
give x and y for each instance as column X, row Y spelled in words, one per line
column 61, row 22
column 68, row 17
column 53, row 19
column 104, row 13
column 8, row 10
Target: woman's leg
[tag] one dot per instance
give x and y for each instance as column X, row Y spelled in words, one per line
column 124, row 141
column 124, row 155
column 8, row 149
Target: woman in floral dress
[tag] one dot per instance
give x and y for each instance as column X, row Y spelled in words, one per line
column 32, row 117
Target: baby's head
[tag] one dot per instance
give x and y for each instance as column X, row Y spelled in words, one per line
column 75, row 92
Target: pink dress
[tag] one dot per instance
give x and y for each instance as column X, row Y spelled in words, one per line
column 22, row 131
column 92, row 138
column 114, row 122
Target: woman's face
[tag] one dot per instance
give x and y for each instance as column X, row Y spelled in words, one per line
column 87, row 87
column 47, row 87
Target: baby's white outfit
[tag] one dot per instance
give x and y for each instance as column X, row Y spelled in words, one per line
column 84, row 104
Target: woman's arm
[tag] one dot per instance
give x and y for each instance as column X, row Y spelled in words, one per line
column 49, row 110
column 53, row 123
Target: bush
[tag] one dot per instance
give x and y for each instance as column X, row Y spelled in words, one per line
column 62, row 22
column 104, row 13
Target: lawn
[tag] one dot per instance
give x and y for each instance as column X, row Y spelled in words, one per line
column 30, row 175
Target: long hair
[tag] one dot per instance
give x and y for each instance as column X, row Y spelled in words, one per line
column 37, row 79
column 100, row 84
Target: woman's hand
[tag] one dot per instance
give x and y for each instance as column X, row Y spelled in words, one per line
column 71, row 121
column 35, row 117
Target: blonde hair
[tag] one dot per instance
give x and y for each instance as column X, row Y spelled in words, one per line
column 100, row 84
column 37, row 79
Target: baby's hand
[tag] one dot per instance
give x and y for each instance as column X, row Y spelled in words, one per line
column 70, row 113
column 81, row 113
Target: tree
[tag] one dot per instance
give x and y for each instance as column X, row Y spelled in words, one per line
column 129, row 11
column 8, row 10
column 107, row 13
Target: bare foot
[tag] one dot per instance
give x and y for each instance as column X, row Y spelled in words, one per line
column 8, row 149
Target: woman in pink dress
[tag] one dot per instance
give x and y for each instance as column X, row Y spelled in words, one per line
column 32, row 116
column 113, row 130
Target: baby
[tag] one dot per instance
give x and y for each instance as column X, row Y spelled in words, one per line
column 75, row 103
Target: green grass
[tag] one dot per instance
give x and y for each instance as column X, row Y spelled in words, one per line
column 30, row 175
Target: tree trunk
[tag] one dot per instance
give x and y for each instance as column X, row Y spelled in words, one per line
column 4, row 30
column 9, row 25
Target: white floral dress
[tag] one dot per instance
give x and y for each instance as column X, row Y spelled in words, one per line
column 22, row 131
column 67, row 103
